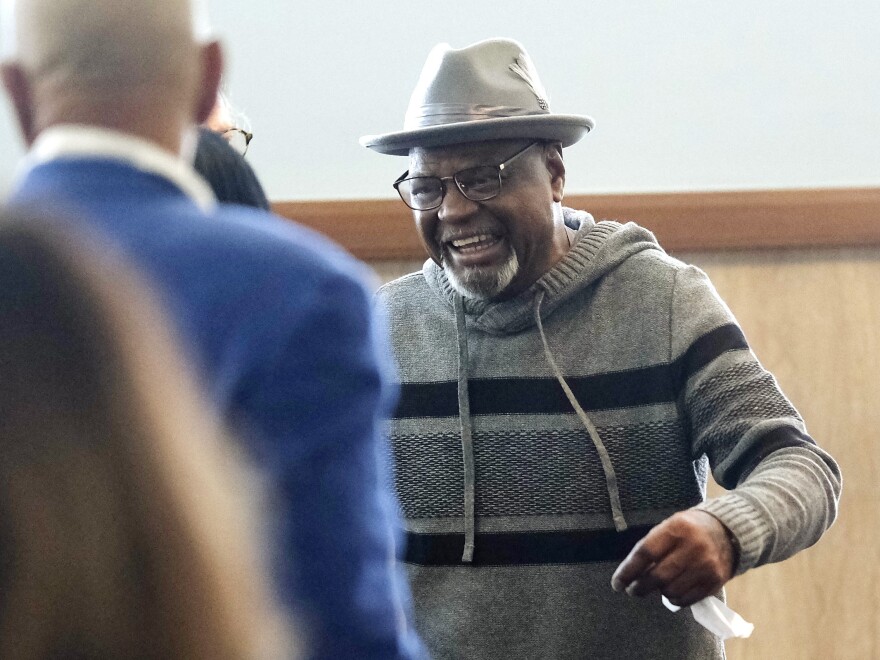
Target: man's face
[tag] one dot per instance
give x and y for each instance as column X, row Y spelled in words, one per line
column 497, row 248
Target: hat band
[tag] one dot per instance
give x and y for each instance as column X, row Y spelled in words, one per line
column 436, row 114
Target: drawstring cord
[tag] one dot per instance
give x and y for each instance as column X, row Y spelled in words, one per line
column 610, row 477
column 467, row 443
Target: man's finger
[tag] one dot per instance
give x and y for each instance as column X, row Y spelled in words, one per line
column 642, row 557
column 662, row 573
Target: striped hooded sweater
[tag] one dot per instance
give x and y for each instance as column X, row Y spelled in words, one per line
column 538, row 438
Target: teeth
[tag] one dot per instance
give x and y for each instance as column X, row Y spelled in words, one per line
column 470, row 241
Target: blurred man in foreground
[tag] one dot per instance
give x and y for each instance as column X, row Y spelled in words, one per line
column 107, row 94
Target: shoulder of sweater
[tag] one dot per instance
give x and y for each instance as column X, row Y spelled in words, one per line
column 653, row 261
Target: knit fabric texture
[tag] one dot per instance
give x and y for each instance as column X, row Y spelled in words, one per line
column 661, row 368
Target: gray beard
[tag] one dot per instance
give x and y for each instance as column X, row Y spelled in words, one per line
column 483, row 283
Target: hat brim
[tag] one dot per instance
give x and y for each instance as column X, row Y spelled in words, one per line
column 566, row 129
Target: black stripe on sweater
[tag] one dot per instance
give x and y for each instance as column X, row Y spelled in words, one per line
column 524, row 548
column 705, row 349
column 622, row 389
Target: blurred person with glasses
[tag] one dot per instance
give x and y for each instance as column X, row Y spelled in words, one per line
column 230, row 176
column 223, row 120
column 238, row 138
column 565, row 388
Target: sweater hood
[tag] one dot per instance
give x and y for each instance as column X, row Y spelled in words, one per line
column 598, row 248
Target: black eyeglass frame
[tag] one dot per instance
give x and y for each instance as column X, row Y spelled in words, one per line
column 248, row 136
column 462, row 188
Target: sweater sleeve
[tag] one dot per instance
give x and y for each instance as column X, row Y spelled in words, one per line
column 319, row 398
column 783, row 490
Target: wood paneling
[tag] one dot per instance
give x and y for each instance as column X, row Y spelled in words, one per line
column 381, row 230
column 372, row 230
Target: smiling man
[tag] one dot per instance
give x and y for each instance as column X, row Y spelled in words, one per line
column 566, row 387
column 496, row 255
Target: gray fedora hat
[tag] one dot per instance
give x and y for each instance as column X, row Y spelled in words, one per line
column 486, row 91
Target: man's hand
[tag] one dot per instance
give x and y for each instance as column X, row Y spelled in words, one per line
column 686, row 557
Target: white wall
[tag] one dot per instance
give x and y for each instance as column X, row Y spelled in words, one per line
column 687, row 94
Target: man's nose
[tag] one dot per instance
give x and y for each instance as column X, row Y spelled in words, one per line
column 455, row 207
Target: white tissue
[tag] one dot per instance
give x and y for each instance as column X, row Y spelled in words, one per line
column 716, row 617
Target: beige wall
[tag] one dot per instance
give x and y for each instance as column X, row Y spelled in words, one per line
column 813, row 319
column 388, row 270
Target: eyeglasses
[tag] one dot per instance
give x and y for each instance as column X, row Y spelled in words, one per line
column 238, row 139
column 478, row 184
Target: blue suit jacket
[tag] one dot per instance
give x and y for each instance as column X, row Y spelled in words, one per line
column 282, row 327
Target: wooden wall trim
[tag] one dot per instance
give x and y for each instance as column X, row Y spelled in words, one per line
column 382, row 230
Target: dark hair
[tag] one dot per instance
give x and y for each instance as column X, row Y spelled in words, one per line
column 227, row 172
column 108, row 458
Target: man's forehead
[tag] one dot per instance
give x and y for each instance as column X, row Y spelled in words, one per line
column 464, row 154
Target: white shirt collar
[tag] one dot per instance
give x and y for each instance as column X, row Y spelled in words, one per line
column 80, row 141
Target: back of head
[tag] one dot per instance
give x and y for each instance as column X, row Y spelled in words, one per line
column 101, row 44
column 121, row 534
column 114, row 63
column 227, row 172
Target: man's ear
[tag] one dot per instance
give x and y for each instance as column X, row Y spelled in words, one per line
column 556, row 167
column 212, row 70
column 18, row 87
